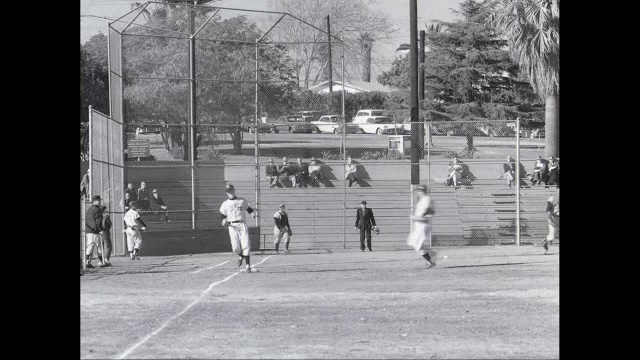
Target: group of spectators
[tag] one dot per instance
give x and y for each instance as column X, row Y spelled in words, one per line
column 301, row 174
column 146, row 201
column 297, row 174
column 547, row 171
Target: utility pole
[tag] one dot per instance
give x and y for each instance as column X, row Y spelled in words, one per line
column 421, row 90
column 330, row 62
column 413, row 75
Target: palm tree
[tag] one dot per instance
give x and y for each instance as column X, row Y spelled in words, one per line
column 532, row 28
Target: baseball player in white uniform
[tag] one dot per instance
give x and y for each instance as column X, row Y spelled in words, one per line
column 553, row 219
column 232, row 211
column 134, row 224
column 421, row 226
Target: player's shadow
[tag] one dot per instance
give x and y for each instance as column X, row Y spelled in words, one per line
column 327, row 175
column 361, row 175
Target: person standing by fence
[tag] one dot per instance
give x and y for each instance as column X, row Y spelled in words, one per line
column 105, row 254
column 134, row 225
column 365, row 222
column 233, row 217
column 93, row 228
column 281, row 229
column 84, row 185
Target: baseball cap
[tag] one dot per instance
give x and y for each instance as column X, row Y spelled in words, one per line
column 155, row 191
column 363, row 202
column 281, row 205
column 95, row 198
column 230, row 187
column 270, row 160
column 422, row 188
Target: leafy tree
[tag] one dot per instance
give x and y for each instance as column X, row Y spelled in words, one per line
column 226, row 73
column 94, row 84
column 533, row 30
column 468, row 76
column 352, row 20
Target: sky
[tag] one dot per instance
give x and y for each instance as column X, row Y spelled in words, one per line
column 397, row 11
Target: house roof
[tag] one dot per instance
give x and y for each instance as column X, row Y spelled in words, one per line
column 356, row 85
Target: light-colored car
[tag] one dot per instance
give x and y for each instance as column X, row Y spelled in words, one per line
column 293, row 124
column 328, row 123
column 380, row 125
column 309, row 115
column 363, row 115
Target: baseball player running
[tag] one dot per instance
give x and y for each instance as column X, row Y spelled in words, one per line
column 281, row 229
column 553, row 218
column 421, row 225
column 134, row 224
column 232, row 211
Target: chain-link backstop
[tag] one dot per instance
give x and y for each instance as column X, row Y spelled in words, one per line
column 246, row 87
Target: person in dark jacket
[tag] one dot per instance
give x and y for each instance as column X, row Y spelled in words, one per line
column 143, row 197
column 106, row 239
column 302, row 173
column 93, row 227
column 133, row 195
column 365, row 222
column 158, row 205
column 315, row 173
column 283, row 173
column 272, row 173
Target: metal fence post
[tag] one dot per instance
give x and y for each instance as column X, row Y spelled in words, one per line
column 518, row 181
column 83, row 240
column 257, row 149
column 344, row 157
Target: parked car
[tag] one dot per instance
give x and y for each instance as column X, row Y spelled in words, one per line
column 328, row 123
column 294, row 123
column 262, row 127
column 351, row 129
column 149, row 129
column 363, row 115
column 309, row 115
column 380, row 125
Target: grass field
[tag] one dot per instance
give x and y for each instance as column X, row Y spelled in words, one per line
column 478, row 302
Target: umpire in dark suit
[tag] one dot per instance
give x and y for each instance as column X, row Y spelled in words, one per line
column 364, row 222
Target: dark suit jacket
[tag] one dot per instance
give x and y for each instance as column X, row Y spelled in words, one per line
column 366, row 220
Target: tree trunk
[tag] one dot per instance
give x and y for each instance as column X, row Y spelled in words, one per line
column 469, row 148
column 552, row 125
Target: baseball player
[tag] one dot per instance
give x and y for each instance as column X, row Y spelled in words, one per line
column 232, row 211
column 553, row 218
column 134, row 225
column 93, row 228
column 281, row 229
column 421, row 225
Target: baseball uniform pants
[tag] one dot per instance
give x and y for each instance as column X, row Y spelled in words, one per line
column 134, row 239
column 239, row 236
column 419, row 237
column 280, row 234
column 93, row 240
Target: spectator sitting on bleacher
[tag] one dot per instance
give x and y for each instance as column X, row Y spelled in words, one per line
column 158, row 205
column 455, row 173
column 314, row 172
column 509, row 169
column 143, row 197
column 302, row 173
column 554, row 172
column 540, row 171
column 510, row 172
column 283, row 173
column 272, row 173
column 350, row 171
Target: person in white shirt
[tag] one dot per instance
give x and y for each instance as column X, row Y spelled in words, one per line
column 315, row 173
column 553, row 219
column 233, row 217
column 134, row 225
column 455, row 173
column 421, row 226
column 350, row 171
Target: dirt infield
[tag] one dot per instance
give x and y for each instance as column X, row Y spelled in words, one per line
column 478, row 302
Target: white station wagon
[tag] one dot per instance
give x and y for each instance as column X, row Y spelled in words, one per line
column 328, row 123
column 363, row 115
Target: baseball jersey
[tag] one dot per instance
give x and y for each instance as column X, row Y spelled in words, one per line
column 130, row 218
column 424, row 207
column 234, row 209
column 281, row 220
